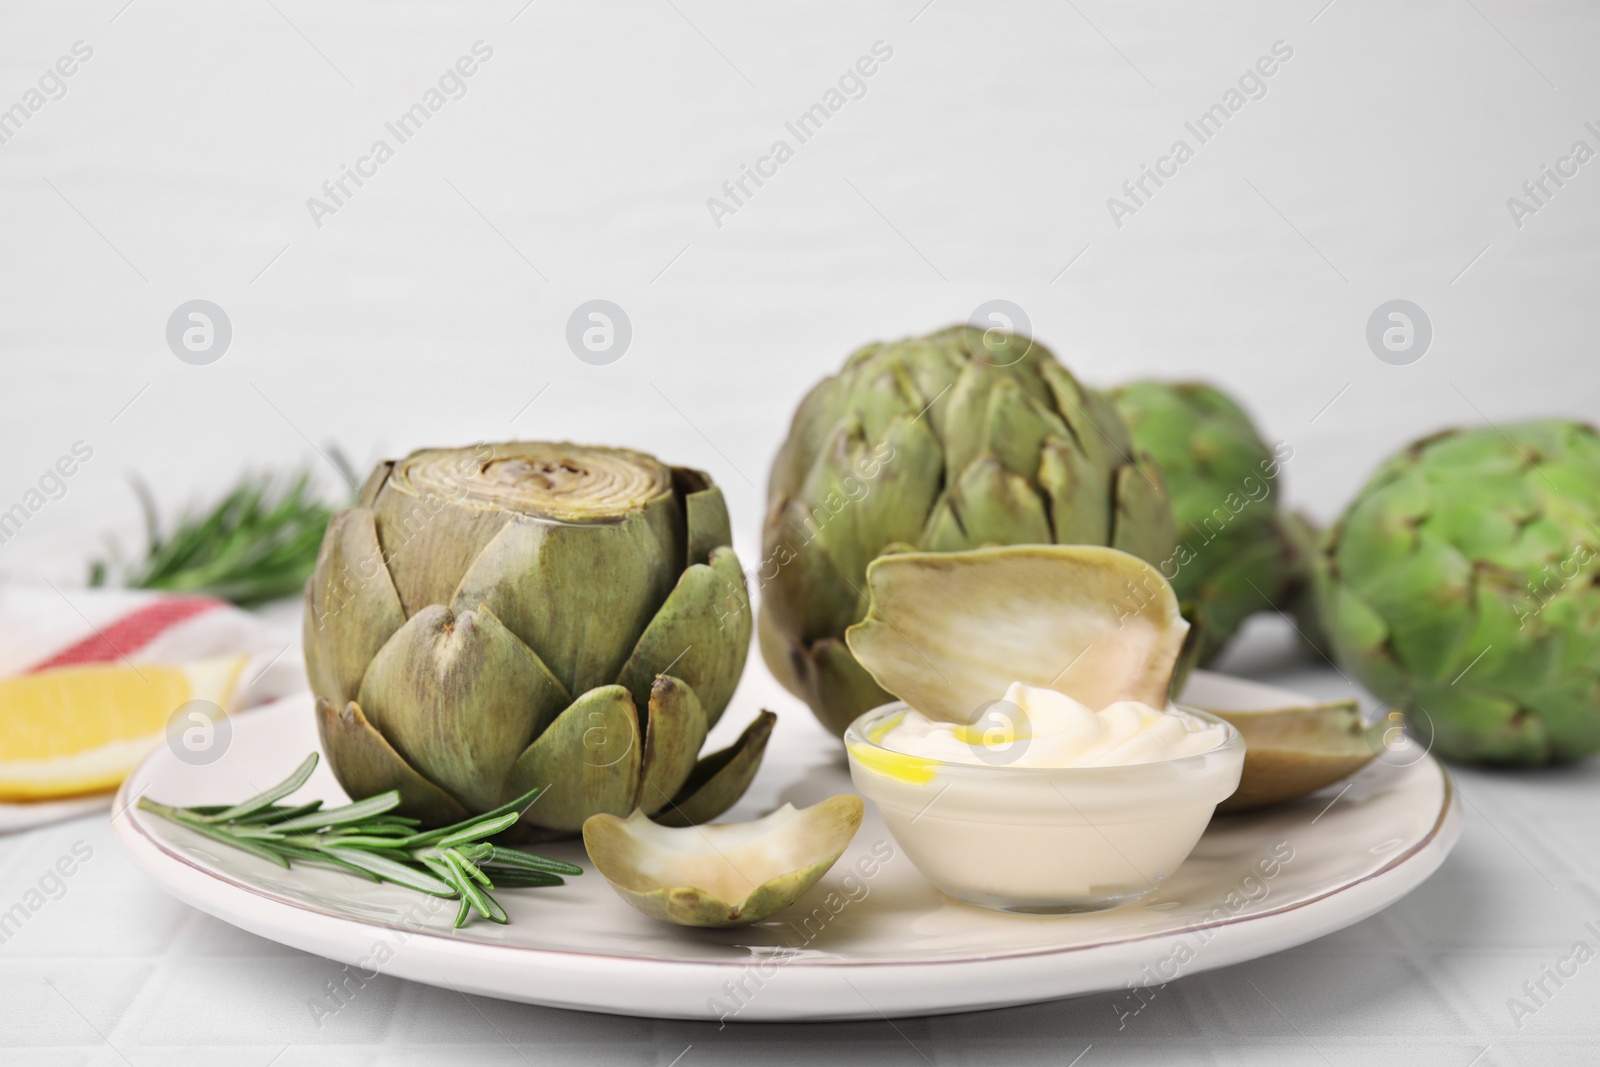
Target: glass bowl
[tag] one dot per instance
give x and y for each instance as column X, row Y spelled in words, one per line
column 1043, row 840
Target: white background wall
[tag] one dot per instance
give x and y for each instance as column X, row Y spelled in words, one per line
column 432, row 307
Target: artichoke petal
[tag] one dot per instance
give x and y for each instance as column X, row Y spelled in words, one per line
column 351, row 607
column 1079, row 492
column 579, row 595
column 368, row 493
column 365, row 764
column 585, row 763
column 701, row 635
column 1293, row 746
column 841, row 685
column 1016, row 427
column 675, row 728
column 459, row 696
column 948, row 632
column 997, row 507
column 803, row 590
column 1142, row 524
column 721, row 778
column 943, row 532
column 429, row 544
column 706, row 515
column 781, row 654
column 966, row 411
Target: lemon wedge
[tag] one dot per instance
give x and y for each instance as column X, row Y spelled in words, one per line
column 76, row 730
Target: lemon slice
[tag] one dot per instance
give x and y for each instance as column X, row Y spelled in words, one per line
column 76, row 730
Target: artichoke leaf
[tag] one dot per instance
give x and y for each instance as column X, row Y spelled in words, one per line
column 841, row 685
column 948, row 632
column 365, row 765
column 351, row 607
column 429, row 541
column 781, row 654
column 720, row 779
column 1142, row 522
column 701, row 635
column 1095, row 437
column 802, row 586
column 459, row 697
column 675, row 728
column 1079, row 493
column 943, row 532
column 872, row 493
column 368, row 493
column 544, row 580
column 1016, row 426
column 966, row 411
column 997, row 507
column 586, row 762
column 706, row 514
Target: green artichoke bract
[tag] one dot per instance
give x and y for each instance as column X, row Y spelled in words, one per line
column 942, row 443
column 490, row 620
column 1222, row 477
column 1463, row 586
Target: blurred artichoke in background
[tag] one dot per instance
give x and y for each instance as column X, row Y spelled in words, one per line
column 953, row 441
column 1234, row 559
column 1463, row 586
column 489, row 620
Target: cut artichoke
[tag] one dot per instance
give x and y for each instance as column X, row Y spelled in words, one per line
column 1291, row 748
column 491, row 620
column 948, row 632
column 726, row 874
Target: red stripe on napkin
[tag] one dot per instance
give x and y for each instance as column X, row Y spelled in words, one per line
column 129, row 633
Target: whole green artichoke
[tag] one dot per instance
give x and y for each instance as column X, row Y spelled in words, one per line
column 1463, row 586
column 486, row 621
column 1233, row 559
column 947, row 442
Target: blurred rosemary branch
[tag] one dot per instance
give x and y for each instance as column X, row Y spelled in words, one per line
column 258, row 543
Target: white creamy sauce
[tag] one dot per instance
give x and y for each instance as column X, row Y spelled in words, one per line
column 1033, row 727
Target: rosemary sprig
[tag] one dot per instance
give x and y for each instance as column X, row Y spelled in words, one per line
column 454, row 862
column 258, row 543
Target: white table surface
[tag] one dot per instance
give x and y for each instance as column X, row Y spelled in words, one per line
column 431, row 310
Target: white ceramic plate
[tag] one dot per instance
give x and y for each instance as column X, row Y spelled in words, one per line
column 872, row 939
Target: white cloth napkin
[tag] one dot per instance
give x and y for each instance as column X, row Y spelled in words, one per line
column 42, row 626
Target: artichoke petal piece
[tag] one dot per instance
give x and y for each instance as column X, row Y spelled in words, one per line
column 727, row 874
column 675, row 728
column 459, row 696
column 948, row 632
column 365, row 764
column 351, row 606
column 586, row 762
column 721, row 778
column 1292, row 747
